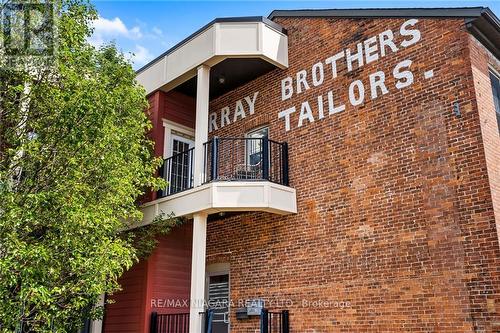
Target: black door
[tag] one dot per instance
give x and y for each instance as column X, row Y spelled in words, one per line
column 218, row 301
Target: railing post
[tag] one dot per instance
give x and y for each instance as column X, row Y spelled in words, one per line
column 205, row 323
column 264, row 321
column 214, row 165
column 153, row 325
column 161, row 172
column 208, row 320
column 285, row 163
column 285, row 324
column 205, row 160
column 191, row 168
column 265, row 158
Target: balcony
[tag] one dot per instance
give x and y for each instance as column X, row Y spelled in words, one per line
column 239, row 174
column 228, row 159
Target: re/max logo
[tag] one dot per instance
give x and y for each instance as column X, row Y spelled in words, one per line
column 28, row 29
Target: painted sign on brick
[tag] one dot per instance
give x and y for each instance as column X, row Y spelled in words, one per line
column 368, row 51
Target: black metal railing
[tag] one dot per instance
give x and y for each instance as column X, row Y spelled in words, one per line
column 208, row 317
column 238, row 159
column 270, row 322
column 274, row 322
column 169, row 323
column 228, row 159
column 177, row 170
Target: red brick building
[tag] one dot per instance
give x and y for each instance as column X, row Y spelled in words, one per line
column 343, row 165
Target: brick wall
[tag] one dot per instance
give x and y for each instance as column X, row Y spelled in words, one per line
column 482, row 62
column 395, row 230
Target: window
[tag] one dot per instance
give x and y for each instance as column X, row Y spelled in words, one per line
column 495, row 86
column 254, row 146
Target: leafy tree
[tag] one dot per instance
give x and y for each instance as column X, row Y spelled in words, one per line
column 74, row 159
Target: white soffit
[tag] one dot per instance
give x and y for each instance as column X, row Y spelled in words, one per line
column 213, row 44
column 225, row 197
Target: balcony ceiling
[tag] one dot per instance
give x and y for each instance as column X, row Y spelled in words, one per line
column 254, row 45
column 229, row 74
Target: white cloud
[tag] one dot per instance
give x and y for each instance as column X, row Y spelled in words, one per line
column 134, row 40
column 106, row 30
column 140, row 56
column 157, row 31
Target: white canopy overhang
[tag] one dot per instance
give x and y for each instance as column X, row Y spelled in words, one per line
column 247, row 37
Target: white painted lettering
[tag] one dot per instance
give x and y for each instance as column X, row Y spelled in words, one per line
column 358, row 56
column 318, row 74
column 371, row 49
column 239, row 111
column 302, row 81
column 414, row 33
column 361, row 93
column 332, row 109
column 386, row 38
column 333, row 61
column 286, row 114
column 251, row 102
column 305, row 113
column 404, row 78
column 224, row 116
column 321, row 112
column 286, row 88
column 377, row 80
column 212, row 124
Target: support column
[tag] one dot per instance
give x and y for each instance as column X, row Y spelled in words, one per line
column 96, row 325
column 197, row 296
column 201, row 125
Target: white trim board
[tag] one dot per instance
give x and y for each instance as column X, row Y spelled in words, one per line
column 173, row 126
column 218, row 197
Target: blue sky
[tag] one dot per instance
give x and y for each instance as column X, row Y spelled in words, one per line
column 148, row 28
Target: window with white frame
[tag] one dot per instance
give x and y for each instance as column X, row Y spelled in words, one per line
column 178, row 143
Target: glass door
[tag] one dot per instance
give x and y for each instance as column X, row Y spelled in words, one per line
column 254, row 145
column 253, row 153
column 180, row 176
column 218, row 301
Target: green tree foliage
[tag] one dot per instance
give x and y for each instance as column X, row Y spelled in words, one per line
column 74, row 159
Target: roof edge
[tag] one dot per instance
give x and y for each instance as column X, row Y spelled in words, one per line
column 242, row 19
column 481, row 22
column 488, row 14
column 486, row 29
column 381, row 12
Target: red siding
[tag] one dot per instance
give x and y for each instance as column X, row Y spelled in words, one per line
column 171, row 276
column 173, row 106
column 156, row 134
column 179, row 108
column 127, row 313
column 164, row 276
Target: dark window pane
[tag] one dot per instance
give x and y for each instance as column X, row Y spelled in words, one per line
column 495, row 86
column 180, row 176
column 218, row 301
